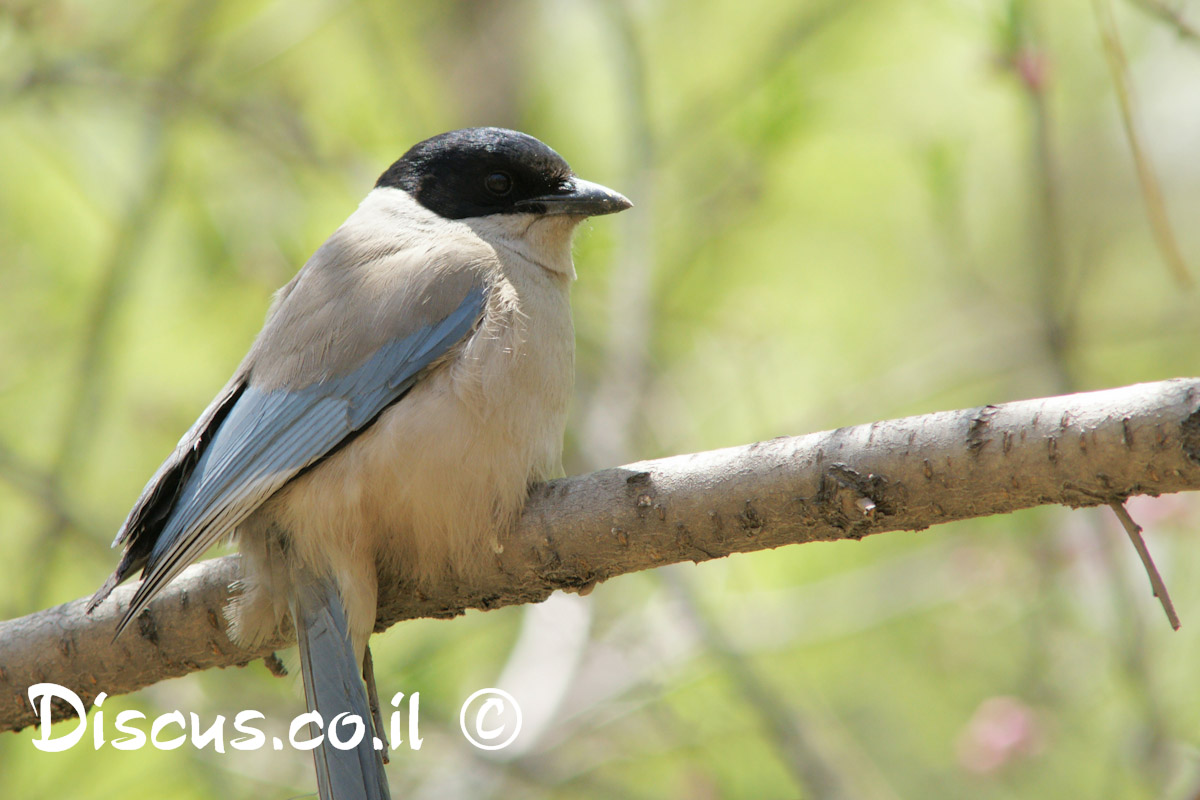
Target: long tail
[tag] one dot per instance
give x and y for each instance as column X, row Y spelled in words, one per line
column 332, row 685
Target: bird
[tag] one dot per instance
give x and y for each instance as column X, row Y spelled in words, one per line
column 408, row 385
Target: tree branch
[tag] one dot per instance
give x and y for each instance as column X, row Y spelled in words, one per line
column 907, row 474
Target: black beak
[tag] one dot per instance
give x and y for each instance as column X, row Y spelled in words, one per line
column 578, row 197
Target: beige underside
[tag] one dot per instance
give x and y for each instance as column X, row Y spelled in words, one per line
column 430, row 487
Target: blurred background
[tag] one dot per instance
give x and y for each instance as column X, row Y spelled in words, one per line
column 846, row 211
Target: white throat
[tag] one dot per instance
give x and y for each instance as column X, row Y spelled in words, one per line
column 543, row 240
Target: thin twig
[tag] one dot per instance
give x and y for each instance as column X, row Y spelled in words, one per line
column 790, row 35
column 1156, row 207
column 788, row 730
column 94, row 364
column 1056, row 303
column 613, row 414
column 1171, row 16
column 32, row 481
column 1156, row 582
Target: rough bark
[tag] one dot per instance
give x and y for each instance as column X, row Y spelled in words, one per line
column 906, row 474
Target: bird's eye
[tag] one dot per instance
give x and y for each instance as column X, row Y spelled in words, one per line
column 498, row 183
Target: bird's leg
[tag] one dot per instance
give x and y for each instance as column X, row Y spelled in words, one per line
column 373, row 702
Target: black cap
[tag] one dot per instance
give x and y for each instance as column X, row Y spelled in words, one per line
column 475, row 172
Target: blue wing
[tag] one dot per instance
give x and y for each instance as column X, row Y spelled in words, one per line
column 268, row 437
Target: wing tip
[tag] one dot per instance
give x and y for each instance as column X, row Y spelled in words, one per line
column 101, row 594
column 136, row 605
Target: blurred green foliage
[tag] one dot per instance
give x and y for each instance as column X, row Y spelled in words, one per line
column 845, row 212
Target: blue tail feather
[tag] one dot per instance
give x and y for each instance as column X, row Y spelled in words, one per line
column 333, row 685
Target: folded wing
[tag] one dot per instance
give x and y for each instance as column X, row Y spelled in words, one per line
column 250, row 442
